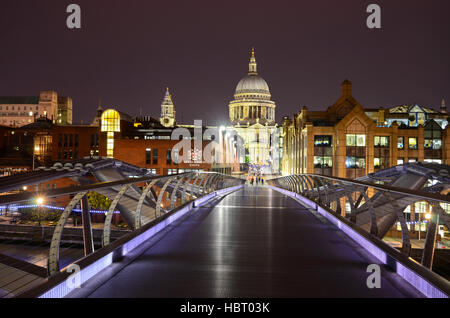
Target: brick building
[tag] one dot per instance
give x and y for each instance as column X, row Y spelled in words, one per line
column 146, row 142
column 350, row 141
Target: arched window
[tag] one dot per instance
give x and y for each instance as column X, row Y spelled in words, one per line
column 110, row 121
column 110, row 124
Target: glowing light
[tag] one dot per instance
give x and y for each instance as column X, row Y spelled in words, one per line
column 24, row 188
column 40, row 200
column 428, row 216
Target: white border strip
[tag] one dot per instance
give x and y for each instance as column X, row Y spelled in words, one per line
column 417, row 281
column 62, row 289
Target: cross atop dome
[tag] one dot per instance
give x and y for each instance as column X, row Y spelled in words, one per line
column 253, row 66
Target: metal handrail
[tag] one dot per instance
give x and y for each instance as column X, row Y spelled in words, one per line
column 417, row 193
column 26, row 196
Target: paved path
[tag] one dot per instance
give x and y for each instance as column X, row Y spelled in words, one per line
column 255, row 242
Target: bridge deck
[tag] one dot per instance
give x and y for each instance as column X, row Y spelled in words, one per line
column 254, row 243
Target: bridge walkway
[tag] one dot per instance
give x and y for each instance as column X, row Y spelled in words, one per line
column 255, row 242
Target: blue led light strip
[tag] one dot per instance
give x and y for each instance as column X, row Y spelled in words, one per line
column 19, row 207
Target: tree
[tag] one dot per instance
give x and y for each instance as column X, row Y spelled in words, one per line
column 98, row 201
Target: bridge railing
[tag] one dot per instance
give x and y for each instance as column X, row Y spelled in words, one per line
column 161, row 195
column 374, row 208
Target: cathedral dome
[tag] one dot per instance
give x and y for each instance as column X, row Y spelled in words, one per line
column 252, row 102
column 252, row 83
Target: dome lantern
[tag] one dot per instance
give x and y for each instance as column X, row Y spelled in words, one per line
column 253, row 66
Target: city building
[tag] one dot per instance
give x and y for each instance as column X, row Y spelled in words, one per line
column 20, row 111
column 350, row 141
column 65, row 115
column 252, row 117
column 142, row 141
column 43, row 143
column 147, row 142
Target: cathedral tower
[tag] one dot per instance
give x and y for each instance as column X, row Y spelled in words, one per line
column 167, row 111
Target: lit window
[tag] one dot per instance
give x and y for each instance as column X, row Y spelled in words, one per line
column 356, row 140
column 355, row 163
column 400, row 161
column 376, row 163
column 433, row 144
column 322, row 141
column 110, row 144
column 400, row 143
column 381, row 141
column 323, row 162
column 148, row 156
column 110, row 121
column 412, row 143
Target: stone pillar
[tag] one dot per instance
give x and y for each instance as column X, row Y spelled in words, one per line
column 310, row 148
column 394, row 149
column 421, row 144
column 370, row 151
column 341, row 148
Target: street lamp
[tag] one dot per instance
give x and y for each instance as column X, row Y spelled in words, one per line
column 40, row 201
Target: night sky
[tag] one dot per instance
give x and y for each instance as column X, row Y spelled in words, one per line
column 127, row 52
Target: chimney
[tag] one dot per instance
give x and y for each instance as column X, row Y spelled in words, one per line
column 346, row 87
column 443, row 107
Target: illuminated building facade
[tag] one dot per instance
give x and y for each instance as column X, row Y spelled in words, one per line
column 110, row 123
column 167, row 118
column 252, row 116
column 350, row 141
column 21, row 111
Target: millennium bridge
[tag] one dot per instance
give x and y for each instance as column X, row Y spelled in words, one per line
column 205, row 234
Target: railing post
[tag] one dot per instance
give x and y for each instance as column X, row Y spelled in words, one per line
column 87, row 227
column 430, row 241
column 109, row 215
column 406, row 242
column 53, row 256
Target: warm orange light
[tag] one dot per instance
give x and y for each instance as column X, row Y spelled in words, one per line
column 40, row 201
column 428, row 216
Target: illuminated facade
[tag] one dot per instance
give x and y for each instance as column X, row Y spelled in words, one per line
column 167, row 118
column 21, row 111
column 252, row 115
column 110, row 123
column 350, row 141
